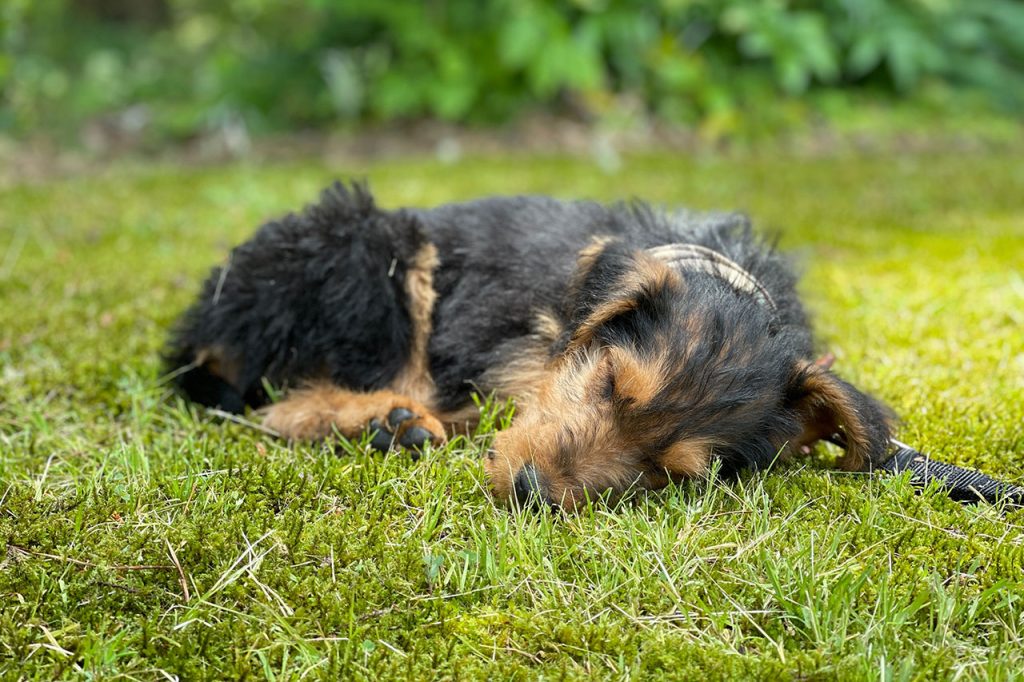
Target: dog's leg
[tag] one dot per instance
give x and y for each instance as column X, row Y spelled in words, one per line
column 316, row 412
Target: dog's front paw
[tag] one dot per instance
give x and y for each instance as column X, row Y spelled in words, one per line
column 405, row 428
column 319, row 412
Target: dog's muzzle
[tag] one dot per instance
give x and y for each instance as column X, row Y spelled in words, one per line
column 529, row 490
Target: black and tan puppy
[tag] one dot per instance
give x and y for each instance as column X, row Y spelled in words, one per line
column 639, row 345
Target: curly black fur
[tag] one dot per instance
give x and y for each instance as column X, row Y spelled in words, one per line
column 314, row 295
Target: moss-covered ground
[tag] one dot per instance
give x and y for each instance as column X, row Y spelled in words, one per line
column 143, row 539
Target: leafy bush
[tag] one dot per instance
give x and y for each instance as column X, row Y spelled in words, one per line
column 276, row 64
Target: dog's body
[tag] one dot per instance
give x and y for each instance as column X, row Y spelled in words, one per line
column 638, row 344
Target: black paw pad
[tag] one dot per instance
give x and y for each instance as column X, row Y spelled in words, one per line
column 415, row 437
column 382, row 437
column 399, row 415
column 412, row 438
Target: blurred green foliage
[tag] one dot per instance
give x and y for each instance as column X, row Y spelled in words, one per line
column 185, row 66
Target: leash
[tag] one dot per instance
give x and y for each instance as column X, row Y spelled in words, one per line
column 963, row 485
column 960, row 484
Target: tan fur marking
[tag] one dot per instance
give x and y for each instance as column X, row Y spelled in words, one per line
column 414, row 379
column 651, row 272
column 586, row 257
column 636, row 379
column 314, row 413
column 826, row 408
column 598, row 317
column 687, row 458
column 522, row 377
column 547, row 328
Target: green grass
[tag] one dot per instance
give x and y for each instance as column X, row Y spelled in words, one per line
column 116, row 499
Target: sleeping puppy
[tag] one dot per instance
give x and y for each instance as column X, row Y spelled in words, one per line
column 639, row 345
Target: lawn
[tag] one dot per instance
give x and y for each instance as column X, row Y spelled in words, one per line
column 143, row 538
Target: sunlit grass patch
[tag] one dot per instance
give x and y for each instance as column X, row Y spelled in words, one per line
column 143, row 535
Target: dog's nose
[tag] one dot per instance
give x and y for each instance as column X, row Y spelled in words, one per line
column 529, row 489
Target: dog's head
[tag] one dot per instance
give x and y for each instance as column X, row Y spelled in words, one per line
column 656, row 373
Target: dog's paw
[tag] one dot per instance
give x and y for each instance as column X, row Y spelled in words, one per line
column 320, row 412
column 405, row 428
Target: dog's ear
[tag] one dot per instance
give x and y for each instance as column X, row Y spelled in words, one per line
column 825, row 405
column 612, row 282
